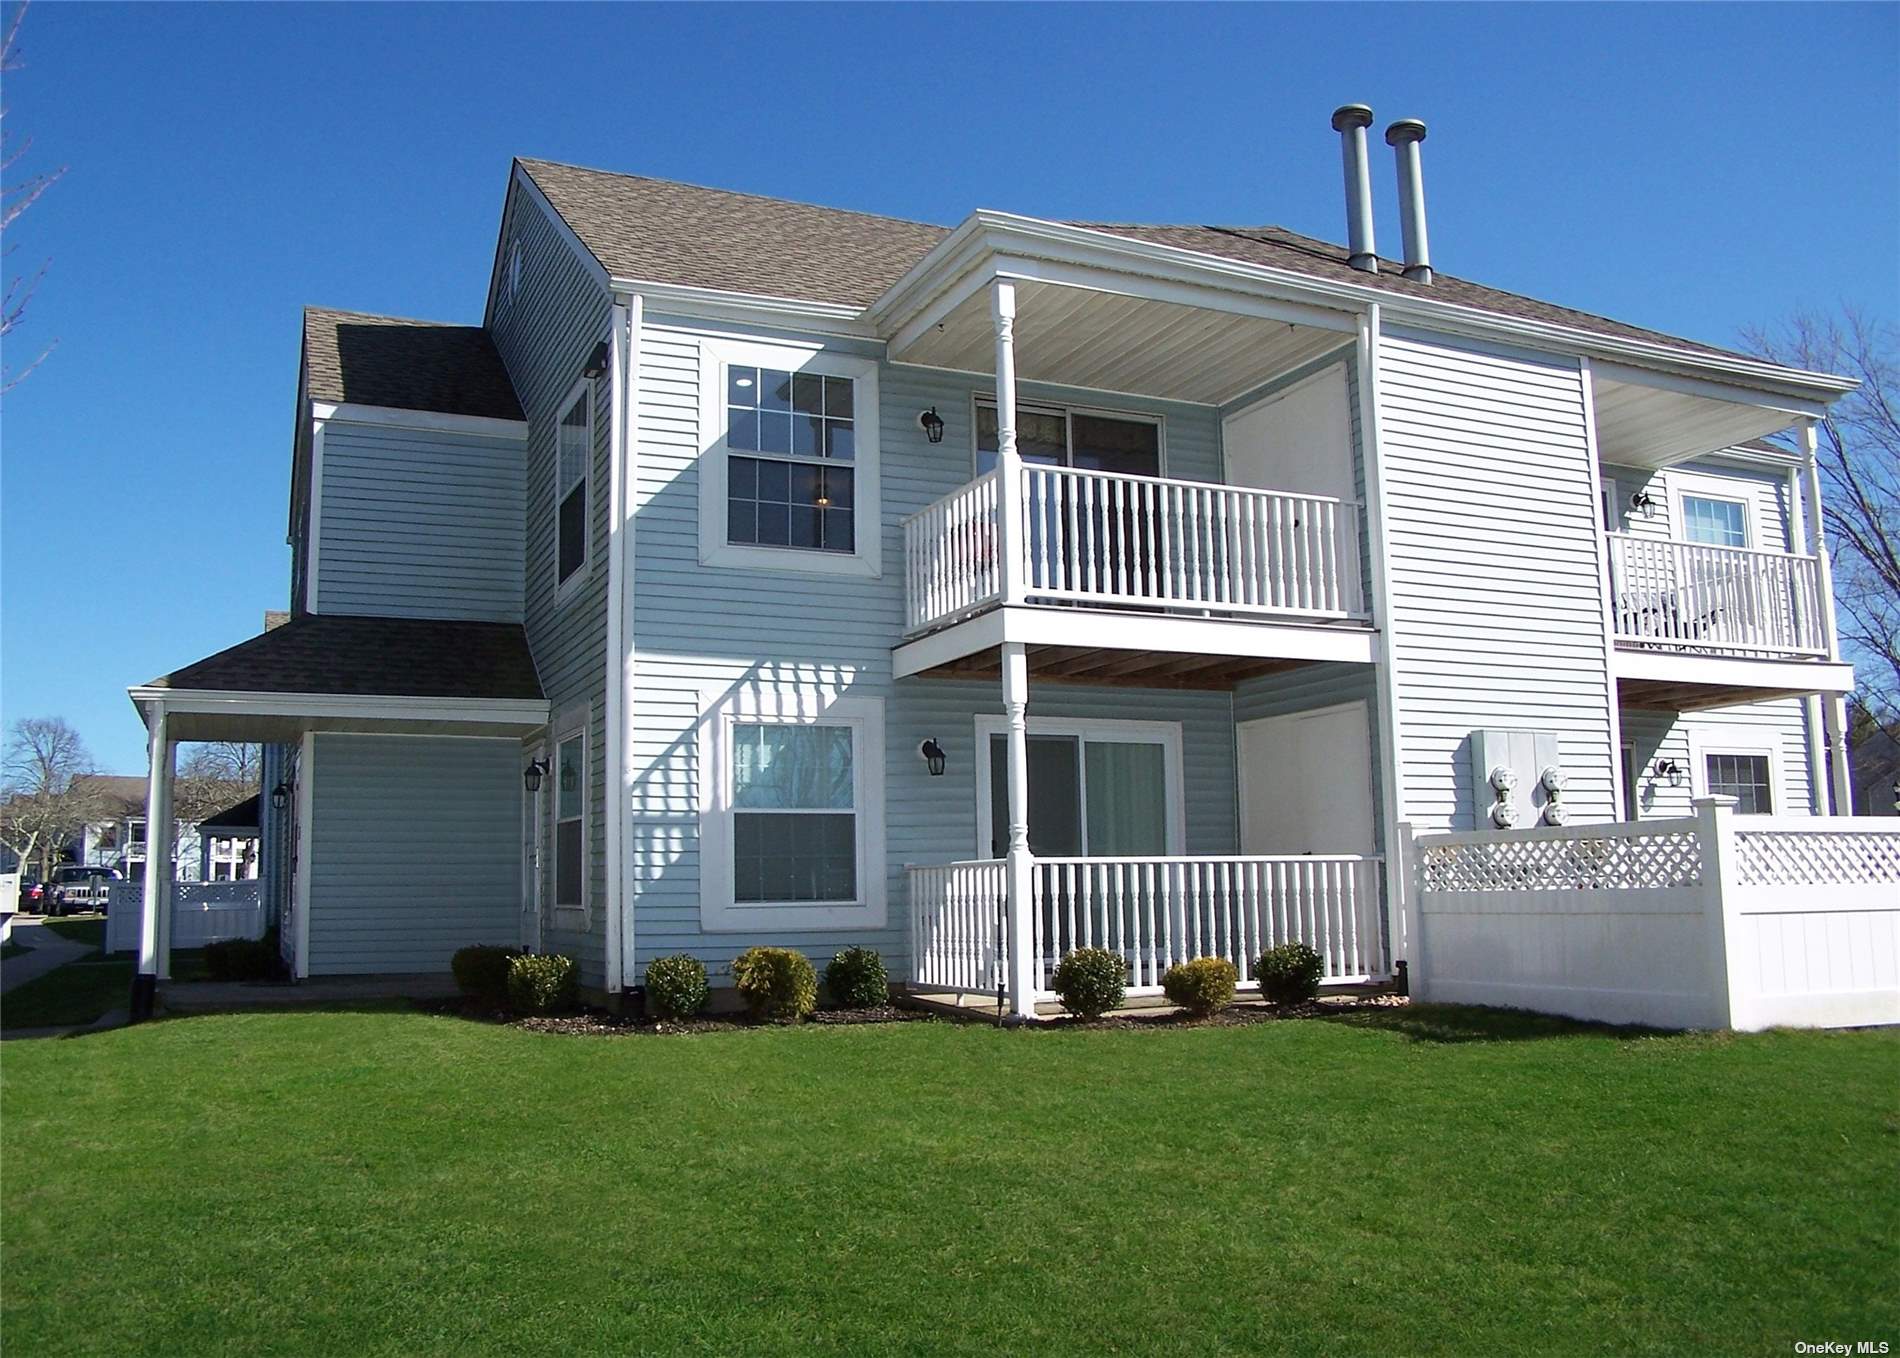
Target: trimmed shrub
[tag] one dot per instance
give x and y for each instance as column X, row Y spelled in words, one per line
column 1091, row 981
column 1202, row 987
column 676, row 986
column 856, row 979
column 481, row 970
column 777, row 983
column 241, row 959
column 539, row 983
column 1289, row 974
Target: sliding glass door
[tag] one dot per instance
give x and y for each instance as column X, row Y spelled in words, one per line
column 1089, row 796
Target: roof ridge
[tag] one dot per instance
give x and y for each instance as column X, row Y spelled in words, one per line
column 734, row 193
column 312, row 309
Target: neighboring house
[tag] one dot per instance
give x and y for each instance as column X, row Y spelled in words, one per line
column 118, row 840
column 750, row 554
column 1875, row 764
column 228, row 843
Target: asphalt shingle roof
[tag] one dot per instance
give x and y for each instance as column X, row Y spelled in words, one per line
column 393, row 657
column 666, row 232
column 360, row 359
column 683, row 234
column 238, row 816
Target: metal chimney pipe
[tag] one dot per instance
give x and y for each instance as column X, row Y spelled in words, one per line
column 1350, row 121
column 1403, row 137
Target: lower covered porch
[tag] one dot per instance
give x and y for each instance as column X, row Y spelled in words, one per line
column 396, row 822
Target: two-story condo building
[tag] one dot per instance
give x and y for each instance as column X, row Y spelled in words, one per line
column 762, row 572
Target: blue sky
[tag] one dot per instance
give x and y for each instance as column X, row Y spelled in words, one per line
column 1691, row 168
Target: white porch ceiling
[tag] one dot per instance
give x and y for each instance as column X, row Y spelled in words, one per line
column 1107, row 341
column 1639, row 425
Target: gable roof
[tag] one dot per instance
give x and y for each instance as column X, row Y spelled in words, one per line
column 242, row 815
column 356, row 358
column 338, row 653
column 662, row 231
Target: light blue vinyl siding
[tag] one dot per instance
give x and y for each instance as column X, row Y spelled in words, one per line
column 419, row 523
column 415, row 850
column 1496, row 612
column 544, row 335
column 696, row 626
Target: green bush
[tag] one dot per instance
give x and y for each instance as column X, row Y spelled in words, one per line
column 856, row 979
column 1202, row 987
column 1289, row 974
column 539, row 983
column 777, row 983
column 676, row 986
column 1091, row 981
column 481, row 971
column 242, row 959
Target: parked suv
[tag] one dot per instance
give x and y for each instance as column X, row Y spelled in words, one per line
column 76, row 888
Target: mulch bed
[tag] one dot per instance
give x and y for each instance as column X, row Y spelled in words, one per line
column 602, row 1023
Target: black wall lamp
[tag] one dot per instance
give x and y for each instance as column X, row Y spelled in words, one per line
column 534, row 773
column 1643, row 502
column 933, row 425
column 596, row 362
column 933, row 756
column 280, row 796
column 1670, row 769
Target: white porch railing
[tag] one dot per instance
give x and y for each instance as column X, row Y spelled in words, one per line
column 1155, row 912
column 1693, row 597
column 1113, row 540
column 1715, row 920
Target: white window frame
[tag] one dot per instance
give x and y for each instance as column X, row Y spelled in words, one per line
column 1166, row 734
column 866, row 560
column 584, row 392
column 577, row 722
column 979, row 399
column 1741, row 499
column 722, row 709
column 1703, row 743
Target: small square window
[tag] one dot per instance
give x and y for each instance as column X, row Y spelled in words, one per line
column 1744, row 777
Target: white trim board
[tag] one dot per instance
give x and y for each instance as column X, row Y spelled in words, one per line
column 437, row 421
column 1105, row 629
column 1773, row 677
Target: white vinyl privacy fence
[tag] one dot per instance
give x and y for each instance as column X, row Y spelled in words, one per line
column 202, row 912
column 1712, row 921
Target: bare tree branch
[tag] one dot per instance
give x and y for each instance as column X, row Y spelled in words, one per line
column 46, row 798
column 15, row 199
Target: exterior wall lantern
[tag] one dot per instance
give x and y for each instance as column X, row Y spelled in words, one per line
column 933, row 425
column 596, row 362
column 532, row 775
column 933, row 756
column 280, row 796
column 1670, row 769
column 1643, row 503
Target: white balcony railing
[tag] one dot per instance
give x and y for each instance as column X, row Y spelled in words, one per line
column 1155, row 912
column 1117, row 541
column 1688, row 596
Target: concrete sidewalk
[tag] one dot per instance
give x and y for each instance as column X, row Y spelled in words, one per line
column 49, row 951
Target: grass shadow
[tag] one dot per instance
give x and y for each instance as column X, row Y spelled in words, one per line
column 1461, row 1023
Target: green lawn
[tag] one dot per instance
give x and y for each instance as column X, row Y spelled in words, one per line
column 84, row 989
column 1401, row 1182
column 87, row 929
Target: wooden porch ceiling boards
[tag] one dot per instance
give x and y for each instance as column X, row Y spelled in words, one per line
column 1126, row 669
column 1668, row 695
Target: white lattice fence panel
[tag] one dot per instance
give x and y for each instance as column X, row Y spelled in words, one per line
column 1817, row 858
column 1625, row 862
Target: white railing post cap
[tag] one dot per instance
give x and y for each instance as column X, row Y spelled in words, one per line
column 1715, row 803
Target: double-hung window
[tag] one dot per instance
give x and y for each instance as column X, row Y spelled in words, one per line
column 574, row 454
column 788, row 471
column 1743, row 776
column 570, row 822
column 1715, row 522
column 792, row 819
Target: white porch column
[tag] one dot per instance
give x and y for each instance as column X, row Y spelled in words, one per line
column 1022, row 954
column 155, row 910
column 1009, row 466
column 1833, row 705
